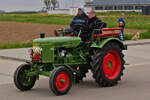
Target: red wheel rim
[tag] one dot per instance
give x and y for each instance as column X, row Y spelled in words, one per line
column 112, row 64
column 62, row 81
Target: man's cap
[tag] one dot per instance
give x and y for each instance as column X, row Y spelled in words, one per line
column 81, row 9
column 92, row 12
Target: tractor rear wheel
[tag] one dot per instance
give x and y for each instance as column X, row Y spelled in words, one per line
column 21, row 80
column 108, row 65
column 61, row 80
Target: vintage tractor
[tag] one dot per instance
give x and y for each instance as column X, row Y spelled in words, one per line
column 67, row 59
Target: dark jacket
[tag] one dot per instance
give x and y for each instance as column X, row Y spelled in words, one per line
column 79, row 22
column 95, row 23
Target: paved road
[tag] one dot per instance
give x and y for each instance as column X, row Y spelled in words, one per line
column 134, row 55
column 7, row 68
column 135, row 84
column 139, row 54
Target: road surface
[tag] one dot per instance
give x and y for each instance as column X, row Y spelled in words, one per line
column 135, row 84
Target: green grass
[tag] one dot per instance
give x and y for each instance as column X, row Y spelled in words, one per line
column 134, row 20
column 14, row 45
column 145, row 35
column 110, row 13
column 128, row 36
column 37, row 18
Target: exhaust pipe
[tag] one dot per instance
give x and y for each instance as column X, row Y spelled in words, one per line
column 42, row 35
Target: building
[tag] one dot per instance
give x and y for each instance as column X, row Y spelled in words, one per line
column 105, row 5
column 146, row 10
column 118, row 4
column 2, row 11
column 66, row 4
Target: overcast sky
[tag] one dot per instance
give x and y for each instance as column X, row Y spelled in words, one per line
column 12, row 5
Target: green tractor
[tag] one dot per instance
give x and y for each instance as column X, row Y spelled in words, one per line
column 67, row 59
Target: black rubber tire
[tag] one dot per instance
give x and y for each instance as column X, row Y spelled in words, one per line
column 97, row 65
column 17, row 78
column 52, row 81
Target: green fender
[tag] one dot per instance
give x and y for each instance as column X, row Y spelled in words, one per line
column 102, row 43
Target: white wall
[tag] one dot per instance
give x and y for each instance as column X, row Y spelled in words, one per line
column 66, row 4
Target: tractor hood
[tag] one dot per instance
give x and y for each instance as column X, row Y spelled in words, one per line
column 58, row 41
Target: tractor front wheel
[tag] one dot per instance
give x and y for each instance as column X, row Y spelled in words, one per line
column 21, row 80
column 60, row 80
column 108, row 65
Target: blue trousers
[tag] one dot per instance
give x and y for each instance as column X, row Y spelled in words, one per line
column 121, row 35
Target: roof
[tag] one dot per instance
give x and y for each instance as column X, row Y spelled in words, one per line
column 119, row 2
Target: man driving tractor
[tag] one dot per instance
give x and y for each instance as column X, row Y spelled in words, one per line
column 78, row 22
column 85, row 24
column 94, row 23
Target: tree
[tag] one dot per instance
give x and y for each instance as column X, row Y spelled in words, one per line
column 48, row 4
column 54, row 2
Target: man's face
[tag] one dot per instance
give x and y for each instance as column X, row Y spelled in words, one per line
column 79, row 12
column 91, row 15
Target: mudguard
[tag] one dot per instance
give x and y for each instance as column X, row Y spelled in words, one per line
column 103, row 42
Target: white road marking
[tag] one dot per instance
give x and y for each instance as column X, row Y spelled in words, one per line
column 134, row 65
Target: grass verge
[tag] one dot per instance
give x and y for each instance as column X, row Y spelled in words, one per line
column 37, row 18
column 145, row 35
column 134, row 20
column 128, row 36
column 14, row 45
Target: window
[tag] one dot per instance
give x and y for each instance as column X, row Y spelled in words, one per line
column 108, row 7
column 115, row 7
column 128, row 7
column 138, row 7
column 98, row 8
column 120, row 8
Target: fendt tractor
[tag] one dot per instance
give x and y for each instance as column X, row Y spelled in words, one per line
column 66, row 59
